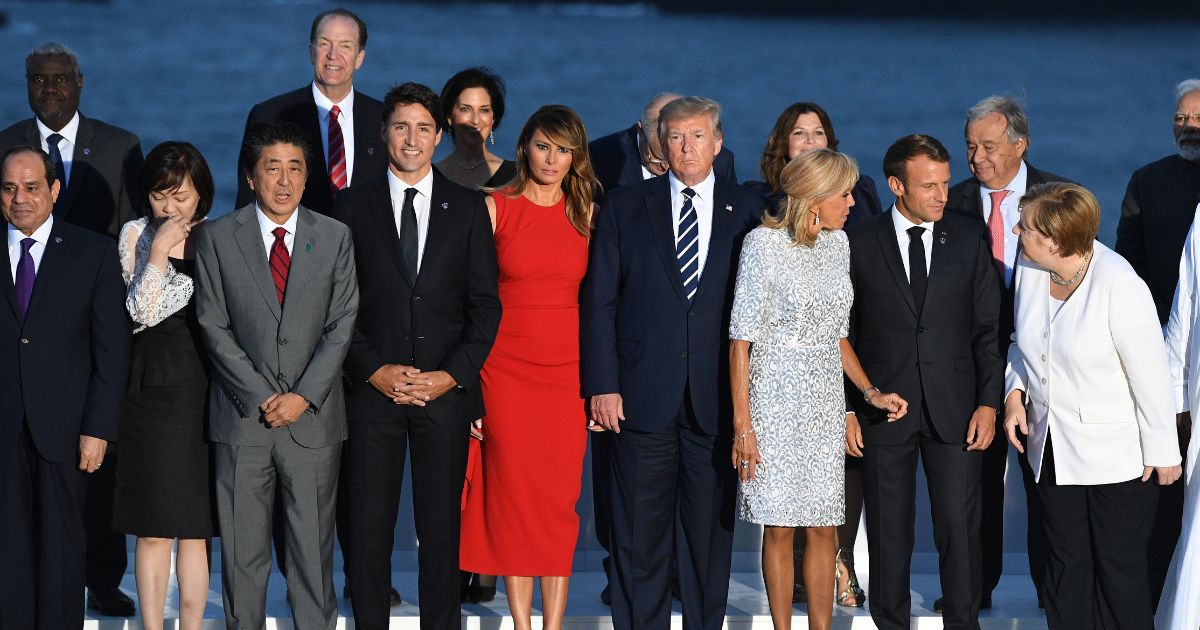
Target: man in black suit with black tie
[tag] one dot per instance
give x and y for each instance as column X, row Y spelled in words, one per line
column 61, row 383
column 924, row 325
column 428, row 314
column 339, row 120
column 997, row 136
column 96, row 165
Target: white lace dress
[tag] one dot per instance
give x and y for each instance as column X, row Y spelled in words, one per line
column 792, row 303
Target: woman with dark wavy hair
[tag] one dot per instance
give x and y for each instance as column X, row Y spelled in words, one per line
column 472, row 107
column 520, row 519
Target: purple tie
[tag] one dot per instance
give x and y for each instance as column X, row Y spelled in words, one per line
column 25, row 276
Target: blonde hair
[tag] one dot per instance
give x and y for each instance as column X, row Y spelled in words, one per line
column 807, row 180
column 1066, row 213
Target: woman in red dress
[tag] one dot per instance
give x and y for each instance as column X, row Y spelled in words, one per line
column 519, row 520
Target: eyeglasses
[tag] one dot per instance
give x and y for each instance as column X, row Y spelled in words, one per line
column 59, row 80
column 1182, row 118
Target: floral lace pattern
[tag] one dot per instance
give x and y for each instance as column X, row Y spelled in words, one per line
column 154, row 294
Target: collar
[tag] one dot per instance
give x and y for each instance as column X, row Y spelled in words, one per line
column 41, row 235
column 396, row 186
column 69, row 132
column 266, row 225
column 901, row 223
column 704, row 189
column 1017, row 186
column 324, row 104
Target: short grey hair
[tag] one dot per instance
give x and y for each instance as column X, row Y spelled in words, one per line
column 1009, row 108
column 1185, row 87
column 653, row 106
column 50, row 49
column 690, row 107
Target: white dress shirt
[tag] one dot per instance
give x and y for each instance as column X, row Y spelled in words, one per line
column 421, row 203
column 702, row 202
column 1011, row 211
column 41, row 236
column 267, row 226
column 902, row 225
column 66, row 146
column 346, row 119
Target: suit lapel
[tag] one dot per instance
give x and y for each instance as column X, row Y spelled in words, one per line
column 308, row 118
column 890, row 250
column 366, row 141
column 723, row 216
column 254, row 252
column 658, row 214
column 440, row 226
column 303, row 266
column 58, row 248
column 10, row 289
column 631, row 169
column 938, row 258
column 379, row 203
column 81, row 165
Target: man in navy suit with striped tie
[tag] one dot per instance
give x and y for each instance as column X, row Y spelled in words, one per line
column 654, row 328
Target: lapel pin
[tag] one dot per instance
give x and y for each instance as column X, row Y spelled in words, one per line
column 308, row 247
column 942, row 238
column 728, row 208
column 57, row 239
column 370, row 150
column 445, row 205
column 87, row 151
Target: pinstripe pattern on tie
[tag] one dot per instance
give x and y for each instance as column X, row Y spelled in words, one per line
column 280, row 262
column 337, row 152
column 687, row 245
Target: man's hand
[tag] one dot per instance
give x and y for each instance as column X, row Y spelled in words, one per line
column 267, row 403
column 397, row 381
column 285, row 409
column 1014, row 420
column 1167, row 475
column 607, row 410
column 91, row 453
column 982, row 428
column 430, row 385
column 854, row 440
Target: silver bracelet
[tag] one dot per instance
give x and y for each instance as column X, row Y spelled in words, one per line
column 743, row 435
column 867, row 392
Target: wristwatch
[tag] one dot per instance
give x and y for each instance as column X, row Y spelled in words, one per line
column 867, row 392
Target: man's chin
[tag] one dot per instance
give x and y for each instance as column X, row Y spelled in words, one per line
column 1189, row 151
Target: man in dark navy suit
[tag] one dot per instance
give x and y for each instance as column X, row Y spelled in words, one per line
column 654, row 329
column 61, row 382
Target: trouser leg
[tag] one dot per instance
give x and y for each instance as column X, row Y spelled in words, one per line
column 308, row 480
column 245, row 493
column 889, row 495
column 376, row 453
column 953, row 476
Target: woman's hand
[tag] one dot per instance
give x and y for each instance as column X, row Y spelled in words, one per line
column 745, row 455
column 854, row 440
column 477, row 429
column 1014, row 419
column 896, row 406
column 171, row 232
column 1167, row 475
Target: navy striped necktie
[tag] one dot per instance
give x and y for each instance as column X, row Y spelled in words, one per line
column 687, row 245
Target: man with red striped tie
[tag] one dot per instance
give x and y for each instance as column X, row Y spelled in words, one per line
column 276, row 298
column 997, row 135
column 341, row 122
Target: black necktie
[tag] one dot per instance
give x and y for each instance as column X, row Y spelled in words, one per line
column 60, row 172
column 408, row 234
column 918, row 277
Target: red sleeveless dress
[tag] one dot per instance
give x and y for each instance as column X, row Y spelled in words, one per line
column 519, row 516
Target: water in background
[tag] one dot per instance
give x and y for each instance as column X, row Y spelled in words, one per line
column 1098, row 93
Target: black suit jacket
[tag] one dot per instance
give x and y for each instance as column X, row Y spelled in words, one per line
column 446, row 321
column 964, row 200
column 299, row 108
column 65, row 368
column 1156, row 215
column 943, row 353
column 617, row 161
column 102, row 191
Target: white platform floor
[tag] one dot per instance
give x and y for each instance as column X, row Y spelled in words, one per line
column 1014, row 607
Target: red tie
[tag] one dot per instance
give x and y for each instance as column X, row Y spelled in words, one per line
column 996, row 230
column 337, row 152
column 280, row 262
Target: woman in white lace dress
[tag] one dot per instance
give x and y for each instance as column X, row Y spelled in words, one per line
column 788, row 329
column 163, row 490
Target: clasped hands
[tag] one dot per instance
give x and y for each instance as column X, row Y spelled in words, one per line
column 280, row 410
column 407, row 385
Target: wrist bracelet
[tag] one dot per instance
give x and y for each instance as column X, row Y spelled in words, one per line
column 867, row 392
column 743, row 436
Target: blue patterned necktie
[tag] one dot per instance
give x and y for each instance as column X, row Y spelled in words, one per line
column 687, row 245
column 60, row 170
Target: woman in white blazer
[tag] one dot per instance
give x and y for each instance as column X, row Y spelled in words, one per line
column 1088, row 384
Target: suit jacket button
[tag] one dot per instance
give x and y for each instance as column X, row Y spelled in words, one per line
column 921, row 330
column 280, row 375
column 684, row 355
column 24, row 340
column 691, row 313
column 282, row 341
column 416, row 298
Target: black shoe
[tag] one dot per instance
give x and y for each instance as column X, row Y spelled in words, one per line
column 476, row 594
column 985, row 603
column 606, row 597
column 937, row 605
column 110, row 602
column 393, row 595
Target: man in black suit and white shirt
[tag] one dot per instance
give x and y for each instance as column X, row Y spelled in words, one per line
column 429, row 313
column 339, row 121
column 997, row 135
column 61, row 384
column 96, row 165
column 924, row 325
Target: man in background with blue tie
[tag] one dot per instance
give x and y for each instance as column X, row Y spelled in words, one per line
column 96, row 166
column 654, row 328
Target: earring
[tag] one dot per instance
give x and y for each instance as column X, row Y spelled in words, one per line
column 492, row 138
column 816, row 219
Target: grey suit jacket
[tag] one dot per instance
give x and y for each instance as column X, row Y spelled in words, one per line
column 258, row 348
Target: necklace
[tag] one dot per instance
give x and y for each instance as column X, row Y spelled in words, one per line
column 1057, row 279
column 463, row 165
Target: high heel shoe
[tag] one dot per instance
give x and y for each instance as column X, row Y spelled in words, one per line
column 845, row 558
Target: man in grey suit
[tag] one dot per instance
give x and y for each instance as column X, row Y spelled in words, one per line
column 276, row 296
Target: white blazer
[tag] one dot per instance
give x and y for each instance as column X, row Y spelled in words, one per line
column 1095, row 374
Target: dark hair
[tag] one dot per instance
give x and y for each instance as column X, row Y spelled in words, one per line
column 909, row 147
column 51, row 173
column 412, row 94
column 478, row 77
column 168, row 166
column 563, row 127
column 263, row 135
column 340, row 12
column 775, row 153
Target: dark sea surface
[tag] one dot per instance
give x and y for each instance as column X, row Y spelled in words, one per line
column 1099, row 94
